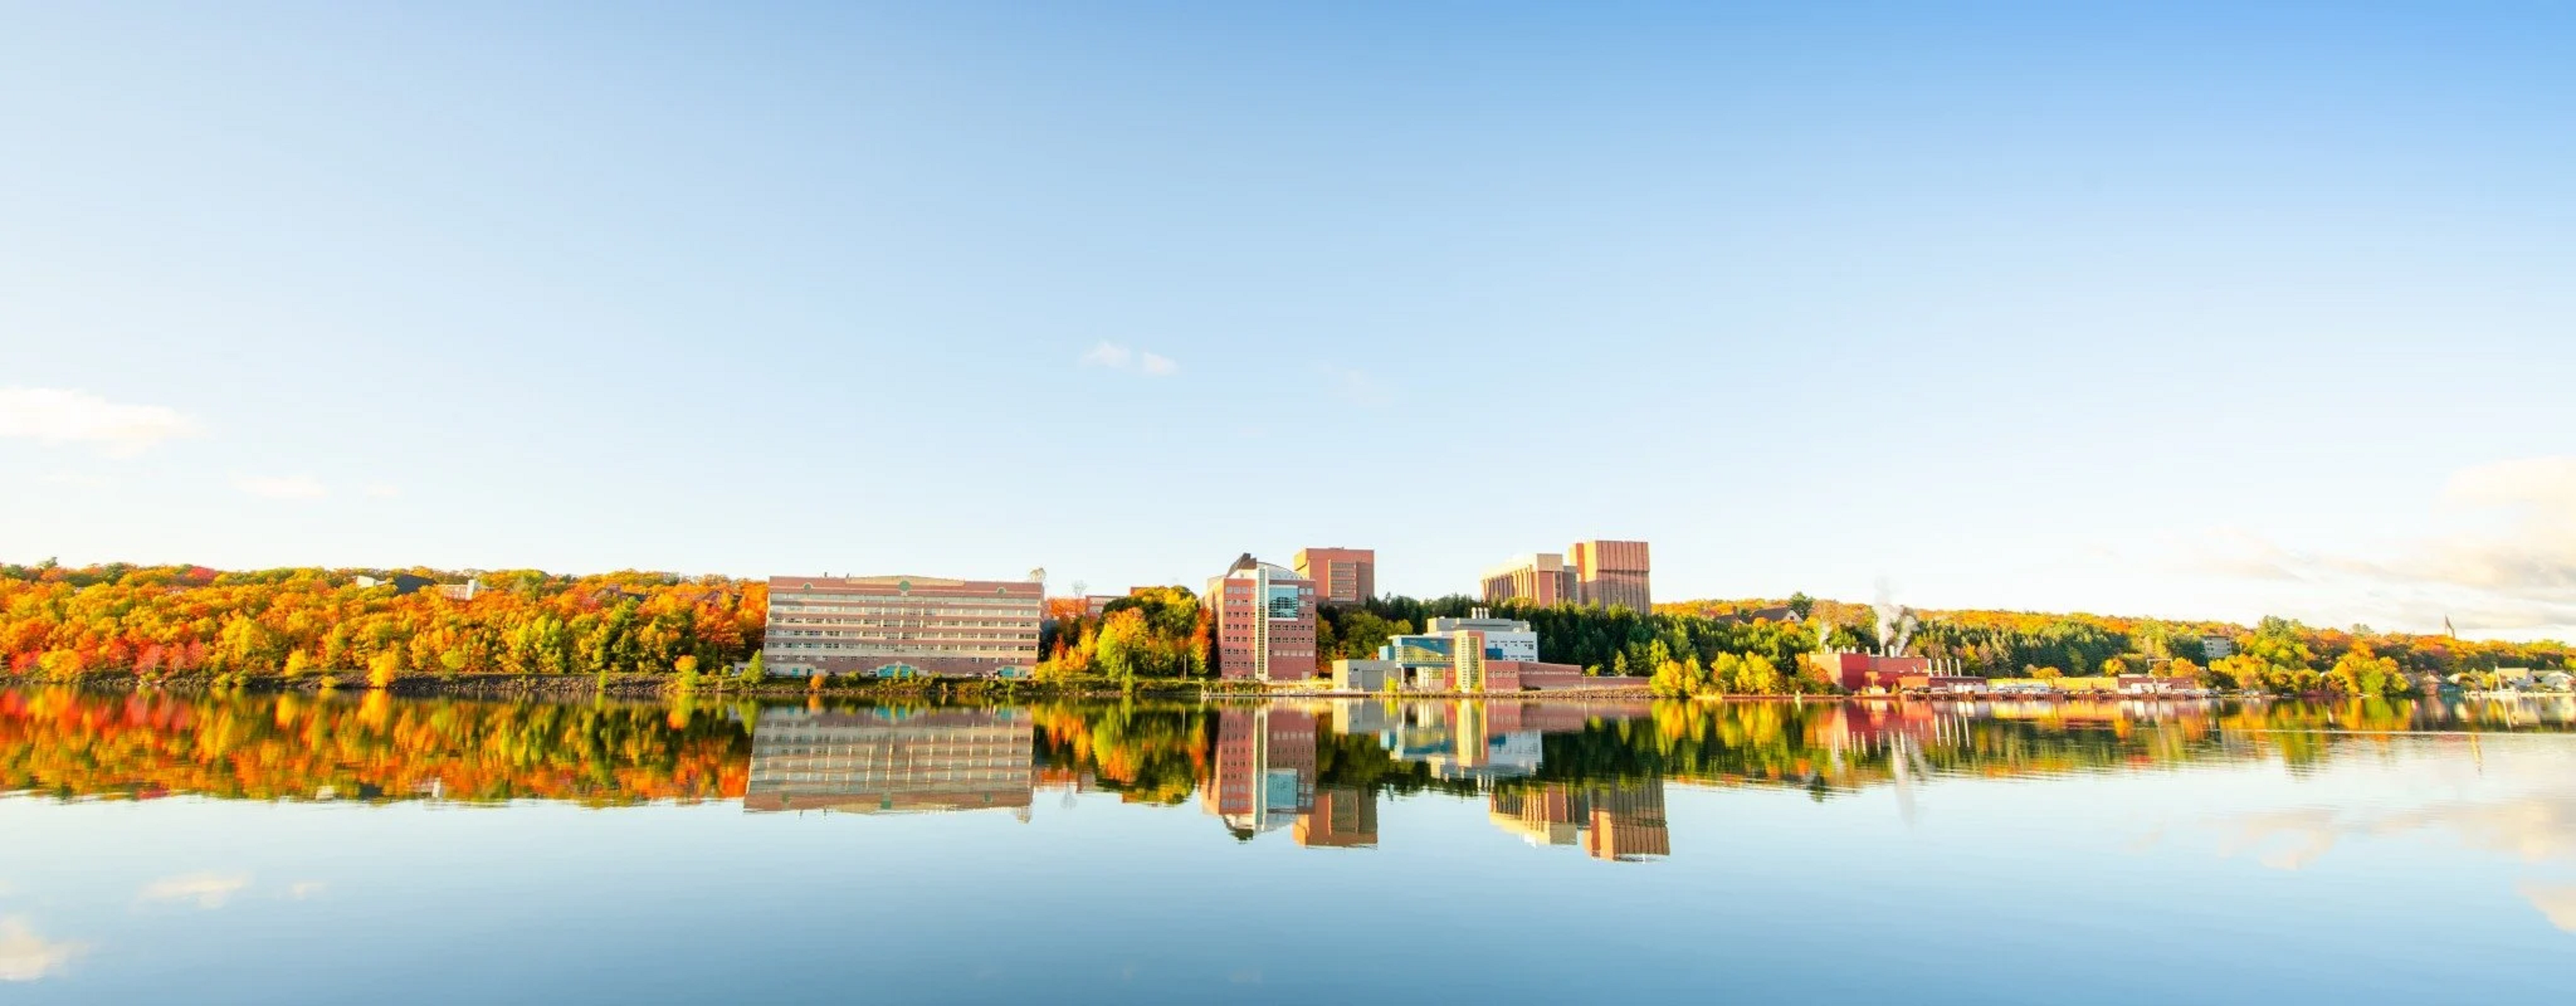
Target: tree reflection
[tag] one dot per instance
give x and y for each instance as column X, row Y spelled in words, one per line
column 1316, row 768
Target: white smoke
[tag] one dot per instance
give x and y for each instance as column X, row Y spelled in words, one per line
column 1895, row 622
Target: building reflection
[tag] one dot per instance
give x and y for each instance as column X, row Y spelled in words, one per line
column 1463, row 741
column 1345, row 817
column 892, row 761
column 1616, row 820
column 1263, row 773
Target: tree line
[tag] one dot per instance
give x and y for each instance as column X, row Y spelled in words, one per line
column 162, row 621
column 166, row 621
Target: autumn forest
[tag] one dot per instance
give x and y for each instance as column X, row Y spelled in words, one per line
column 355, row 627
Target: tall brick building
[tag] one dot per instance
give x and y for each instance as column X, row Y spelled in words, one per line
column 1602, row 573
column 1341, row 575
column 1265, row 622
column 1610, row 573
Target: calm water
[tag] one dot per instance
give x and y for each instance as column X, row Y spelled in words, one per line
column 292, row 849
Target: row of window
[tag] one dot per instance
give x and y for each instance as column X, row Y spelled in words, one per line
column 910, row 649
column 911, row 618
column 924, row 777
column 839, row 601
column 1013, row 611
column 924, row 634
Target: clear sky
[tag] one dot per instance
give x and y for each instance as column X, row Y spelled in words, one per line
column 2178, row 309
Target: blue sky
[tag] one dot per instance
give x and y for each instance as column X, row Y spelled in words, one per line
column 2193, row 310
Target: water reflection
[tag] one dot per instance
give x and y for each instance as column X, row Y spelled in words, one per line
column 26, row 955
column 1263, row 775
column 2280, row 842
column 370, row 747
column 1617, row 821
column 875, row 761
column 1555, row 773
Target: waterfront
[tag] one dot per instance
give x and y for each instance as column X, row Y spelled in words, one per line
column 289, row 848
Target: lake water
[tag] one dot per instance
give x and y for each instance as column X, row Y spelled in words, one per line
column 269, row 849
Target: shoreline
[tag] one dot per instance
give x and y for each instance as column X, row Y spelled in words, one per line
column 664, row 687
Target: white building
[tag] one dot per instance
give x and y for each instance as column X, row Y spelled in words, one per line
column 1510, row 635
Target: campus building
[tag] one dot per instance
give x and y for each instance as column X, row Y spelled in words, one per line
column 1599, row 573
column 1479, row 653
column 1265, row 622
column 902, row 626
column 1537, row 580
column 1341, row 575
column 879, row 761
column 1610, row 574
column 1505, row 638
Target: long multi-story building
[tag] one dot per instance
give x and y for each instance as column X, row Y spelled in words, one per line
column 1540, row 581
column 1265, row 622
column 876, row 761
column 1341, row 575
column 902, row 626
column 1602, row 573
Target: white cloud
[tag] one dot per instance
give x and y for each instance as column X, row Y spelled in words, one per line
column 1108, row 354
column 2497, row 555
column 2556, row 902
column 60, row 416
column 208, row 890
column 304, row 889
column 2310, row 833
column 1112, row 356
column 383, row 490
column 289, row 487
column 26, row 957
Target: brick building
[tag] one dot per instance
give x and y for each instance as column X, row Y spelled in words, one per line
column 1598, row 572
column 1610, row 574
column 1341, row 575
column 1539, row 580
column 1265, row 622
